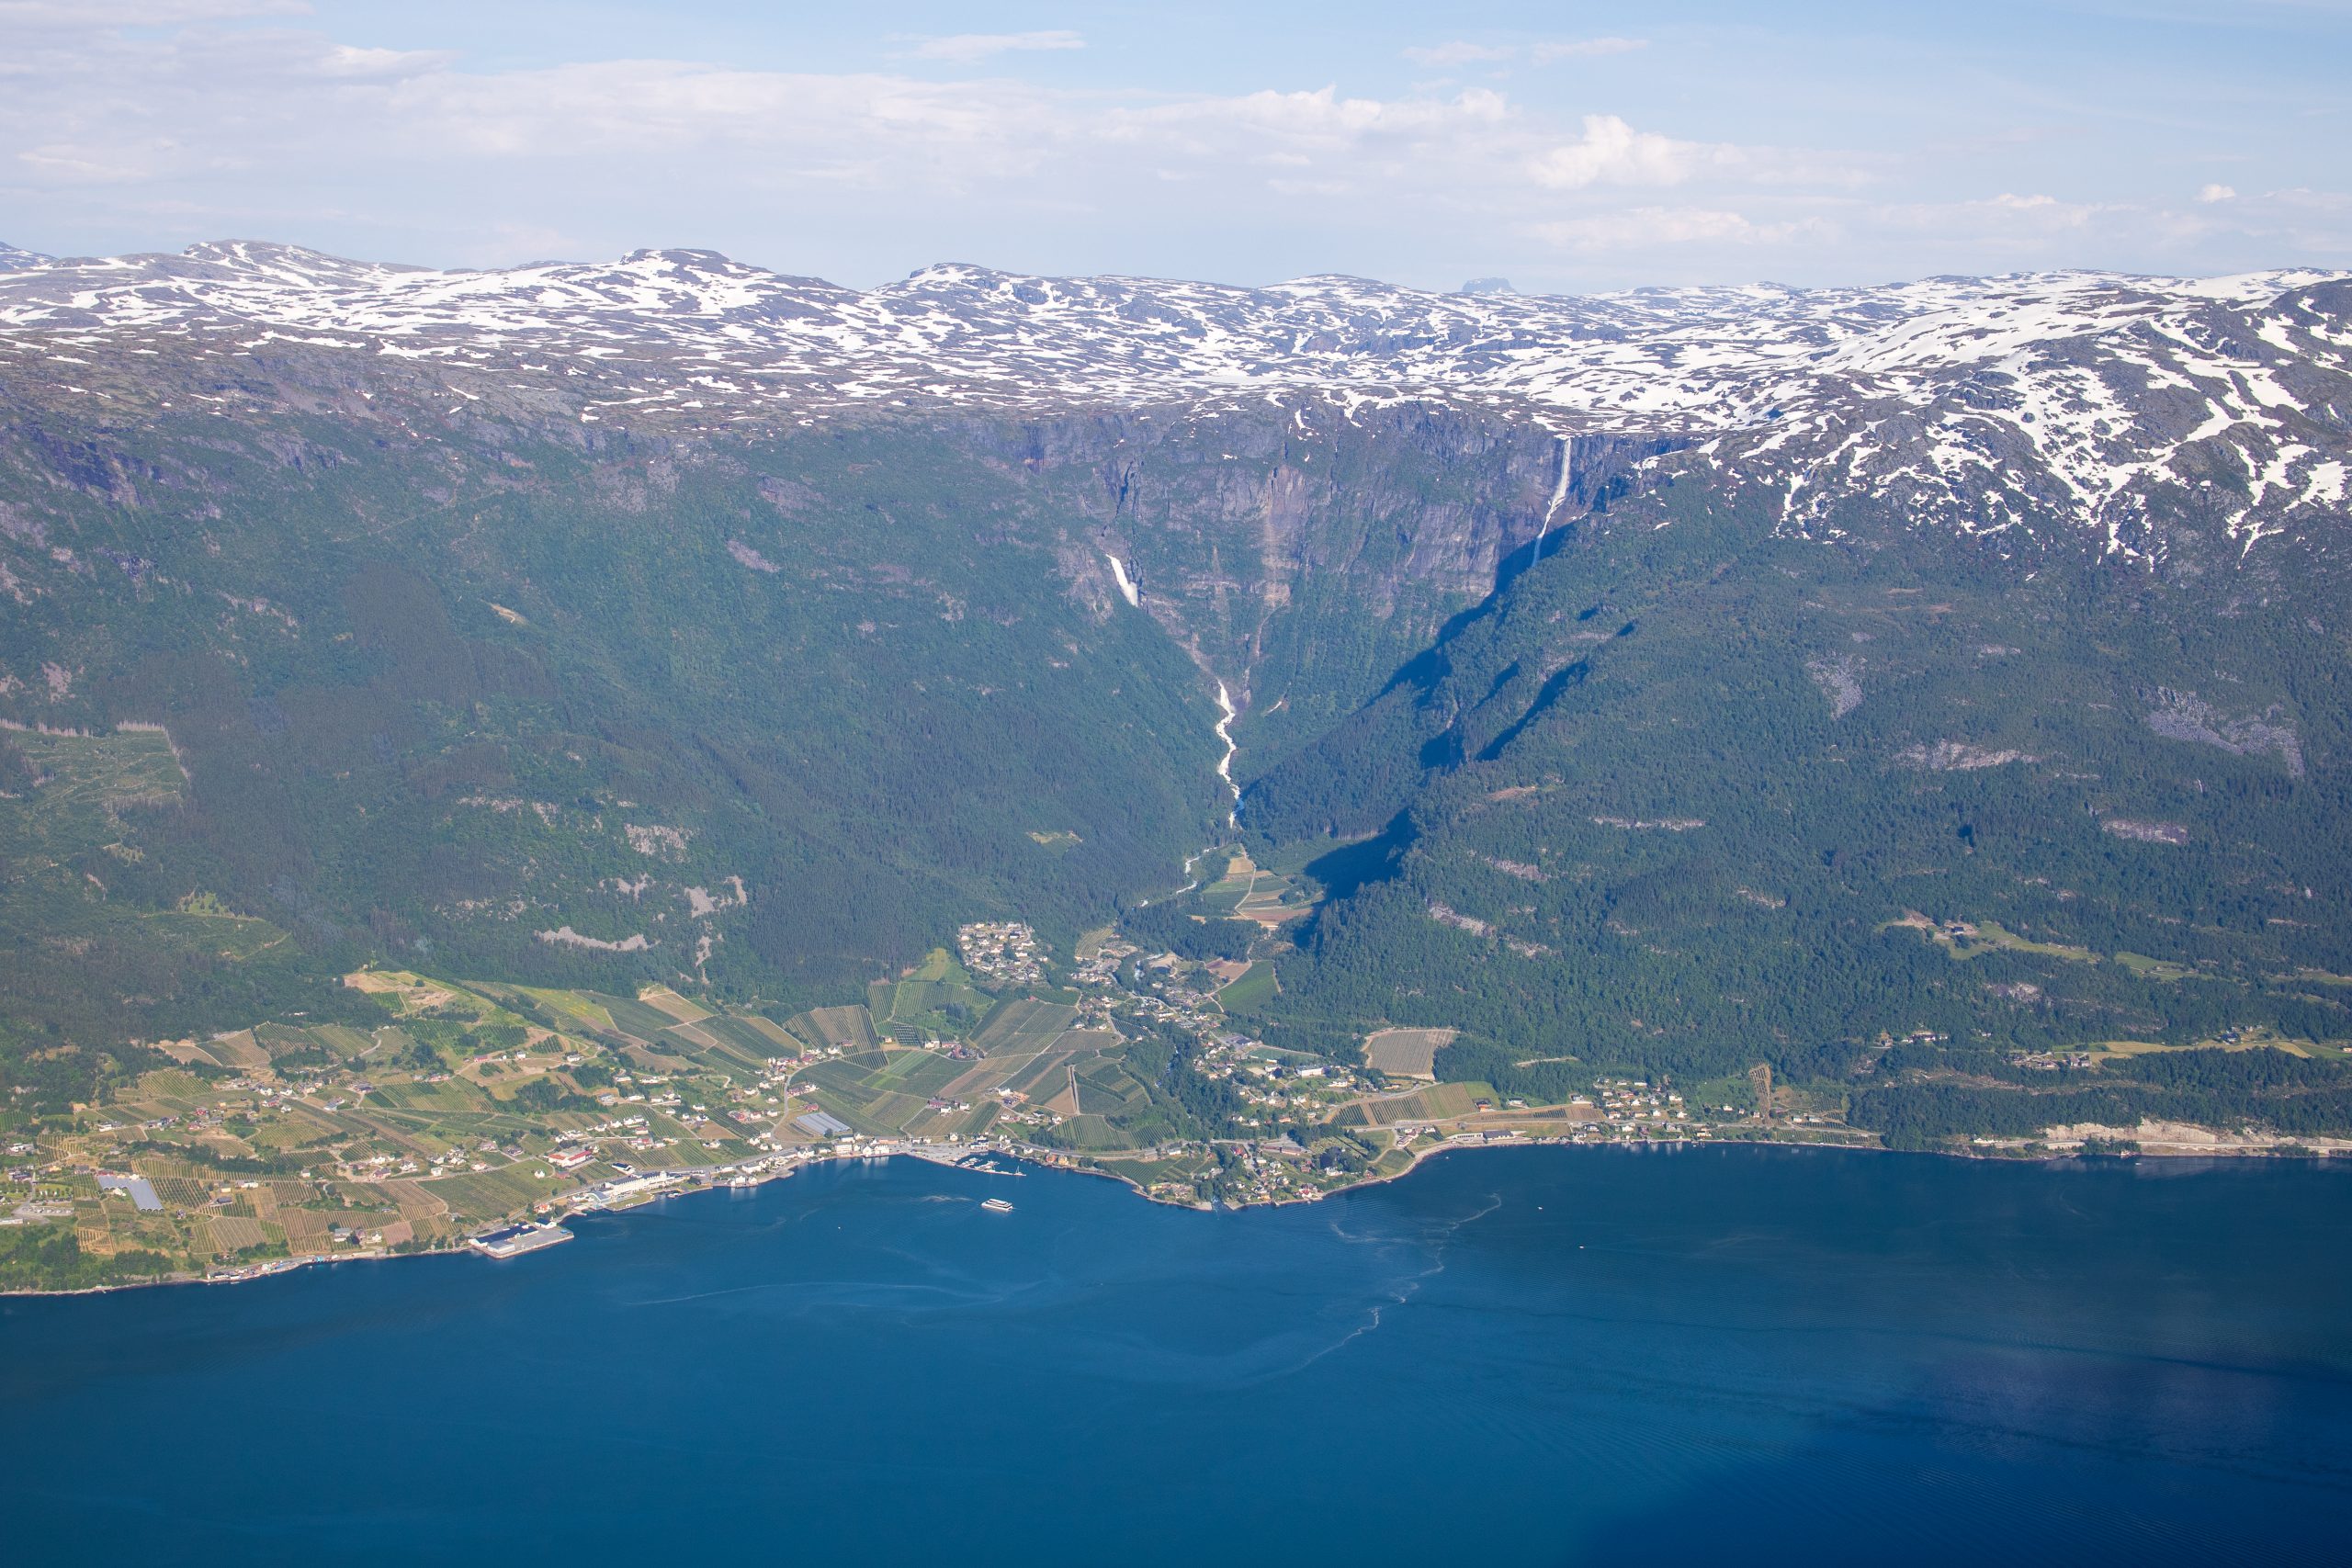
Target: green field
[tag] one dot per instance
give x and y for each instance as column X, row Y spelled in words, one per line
column 1248, row 891
column 847, row 1026
column 1024, row 1024
column 633, row 1017
column 574, row 1005
column 1992, row 937
column 1106, row 1087
column 1439, row 1102
column 1041, row 1076
column 1091, row 1131
column 89, row 778
column 1254, row 989
column 921, row 1072
column 490, row 1194
column 937, row 1002
column 939, row 965
column 1224, row 895
column 742, row 1034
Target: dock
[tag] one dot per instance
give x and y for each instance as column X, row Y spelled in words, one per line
column 513, row 1241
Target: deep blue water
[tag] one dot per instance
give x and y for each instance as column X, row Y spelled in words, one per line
column 1548, row 1355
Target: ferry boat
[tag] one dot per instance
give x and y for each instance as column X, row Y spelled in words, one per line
column 996, row 1206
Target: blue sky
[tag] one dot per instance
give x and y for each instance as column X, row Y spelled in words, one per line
column 1564, row 146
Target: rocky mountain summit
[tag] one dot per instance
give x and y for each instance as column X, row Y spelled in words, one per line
column 2123, row 411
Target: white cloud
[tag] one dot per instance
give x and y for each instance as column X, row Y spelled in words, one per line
column 87, row 16
column 382, row 64
column 277, row 131
column 125, row 139
column 2036, row 211
column 2216, row 193
column 1457, row 53
column 1320, row 119
column 1612, row 152
column 695, row 123
column 1584, row 49
column 1641, row 227
column 115, row 163
column 2004, row 230
column 962, row 48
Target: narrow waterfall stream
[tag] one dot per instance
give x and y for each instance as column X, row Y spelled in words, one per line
column 1126, row 585
column 1559, row 495
column 1225, row 764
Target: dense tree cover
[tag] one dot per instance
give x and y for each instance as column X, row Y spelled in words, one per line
column 46, row 1081
column 210, row 1156
column 1480, row 1061
column 435, row 701
column 49, row 1257
column 2236, row 1072
column 1206, row 1107
column 1910, row 1115
column 545, row 1094
column 1691, row 798
column 775, row 715
column 1185, row 926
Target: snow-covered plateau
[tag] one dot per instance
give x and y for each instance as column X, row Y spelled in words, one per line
column 2114, row 403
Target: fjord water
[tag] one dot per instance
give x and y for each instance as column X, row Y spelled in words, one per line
column 1547, row 1355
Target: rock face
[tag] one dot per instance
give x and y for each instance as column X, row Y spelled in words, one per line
column 1302, row 485
column 2127, row 410
column 1605, row 654
column 1302, row 557
column 2184, row 715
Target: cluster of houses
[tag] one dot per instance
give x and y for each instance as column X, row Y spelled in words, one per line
column 1101, row 966
column 1265, row 1078
column 1162, row 989
column 2052, row 1061
column 1630, row 1107
column 1001, row 953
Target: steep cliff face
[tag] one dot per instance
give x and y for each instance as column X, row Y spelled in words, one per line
column 771, row 714
column 1302, row 483
column 477, row 639
column 1299, row 553
column 1698, row 787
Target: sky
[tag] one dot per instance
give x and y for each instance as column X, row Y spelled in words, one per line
column 1567, row 147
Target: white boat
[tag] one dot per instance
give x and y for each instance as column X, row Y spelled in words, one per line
column 997, row 1206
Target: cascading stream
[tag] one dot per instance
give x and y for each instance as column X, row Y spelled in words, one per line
column 1552, row 510
column 1225, row 764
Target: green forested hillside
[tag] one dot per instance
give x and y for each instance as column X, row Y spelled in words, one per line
column 1690, row 796
column 775, row 719
column 772, row 711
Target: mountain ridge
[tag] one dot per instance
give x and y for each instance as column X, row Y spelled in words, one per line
column 2039, row 402
column 1687, row 675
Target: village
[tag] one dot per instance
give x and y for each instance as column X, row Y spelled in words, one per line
column 483, row 1115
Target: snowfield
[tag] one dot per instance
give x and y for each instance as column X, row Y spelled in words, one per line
column 2102, row 401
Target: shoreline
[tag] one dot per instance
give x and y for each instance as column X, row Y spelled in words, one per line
column 689, row 1184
